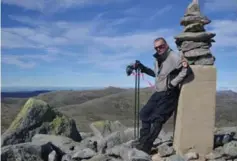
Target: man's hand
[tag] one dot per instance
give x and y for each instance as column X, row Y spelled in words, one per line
column 139, row 65
column 170, row 86
column 185, row 63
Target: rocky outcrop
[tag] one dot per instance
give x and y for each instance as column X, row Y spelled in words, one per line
column 194, row 43
column 39, row 133
column 37, row 117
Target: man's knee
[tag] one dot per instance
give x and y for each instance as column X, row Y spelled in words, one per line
column 144, row 113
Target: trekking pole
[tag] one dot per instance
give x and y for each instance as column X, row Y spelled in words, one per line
column 135, row 106
column 138, row 102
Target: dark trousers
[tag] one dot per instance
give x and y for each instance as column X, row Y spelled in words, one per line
column 154, row 114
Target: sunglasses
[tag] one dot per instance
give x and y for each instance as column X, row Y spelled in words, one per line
column 160, row 47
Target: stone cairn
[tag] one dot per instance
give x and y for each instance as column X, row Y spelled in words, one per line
column 194, row 42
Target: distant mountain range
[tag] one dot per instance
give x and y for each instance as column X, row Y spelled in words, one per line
column 86, row 106
column 32, row 93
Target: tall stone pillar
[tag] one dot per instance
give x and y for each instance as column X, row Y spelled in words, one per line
column 195, row 120
column 195, row 117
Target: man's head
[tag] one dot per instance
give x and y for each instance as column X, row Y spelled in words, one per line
column 160, row 45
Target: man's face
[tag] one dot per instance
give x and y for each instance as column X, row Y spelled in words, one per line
column 160, row 46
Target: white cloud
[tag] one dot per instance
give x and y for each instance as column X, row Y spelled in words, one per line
column 51, row 6
column 50, row 36
column 14, row 60
column 220, row 5
column 226, row 33
column 161, row 11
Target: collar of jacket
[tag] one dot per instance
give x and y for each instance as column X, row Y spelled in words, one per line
column 162, row 57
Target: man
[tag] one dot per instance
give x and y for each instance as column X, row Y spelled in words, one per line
column 170, row 71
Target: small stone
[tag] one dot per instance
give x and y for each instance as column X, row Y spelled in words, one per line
column 201, row 60
column 85, row 135
column 52, row 156
column 205, row 60
column 157, row 157
column 231, row 149
column 157, row 142
column 190, row 45
column 84, row 154
column 175, row 158
column 165, row 150
column 119, row 150
column 128, row 134
column 197, row 52
column 135, row 155
column 193, row 9
column 194, row 19
column 191, row 156
column 195, row 36
column 100, row 157
column 213, row 155
column 67, row 157
column 106, row 127
column 195, row 27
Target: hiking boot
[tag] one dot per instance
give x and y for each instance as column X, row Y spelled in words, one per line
column 145, row 148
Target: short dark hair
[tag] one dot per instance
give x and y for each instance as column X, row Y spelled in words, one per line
column 160, row 38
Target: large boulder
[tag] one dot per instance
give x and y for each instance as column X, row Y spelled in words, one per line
column 37, row 117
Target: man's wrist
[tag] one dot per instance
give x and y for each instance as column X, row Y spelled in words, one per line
column 171, row 86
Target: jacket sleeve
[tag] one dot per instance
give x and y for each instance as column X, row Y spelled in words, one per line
column 182, row 74
column 149, row 71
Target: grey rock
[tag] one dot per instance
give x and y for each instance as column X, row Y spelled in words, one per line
column 67, row 157
column 128, row 134
column 111, row 140
column 37, row 116
column 193, row 9
column 52, row 156
column 119, row 151
column 191, row 156
column 194, row 27
column 128, row 144
column 201, row 60
column 213, row 155
column 26, row 151
column 195, row 36
column 101, row 157
column 205, row 60
column 84, row 154
column 167, row 137
column 190, row 45
column 165, row 150
column 231, row 149
column 219, row 159
column 194, row 19
column 106, row 127
column 66, row 144
column 85, row 135
column 197, row 52
column 175, row 158
column 92, row 143
column 135, row 155
column 227, row 130
column 157, row 142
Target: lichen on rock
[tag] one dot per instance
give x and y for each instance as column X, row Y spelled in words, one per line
column 37, row 117
column 30, row 103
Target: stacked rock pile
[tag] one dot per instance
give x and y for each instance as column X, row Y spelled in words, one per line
column 194, row 42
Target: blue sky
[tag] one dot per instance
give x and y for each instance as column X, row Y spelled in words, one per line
column 89, row 42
